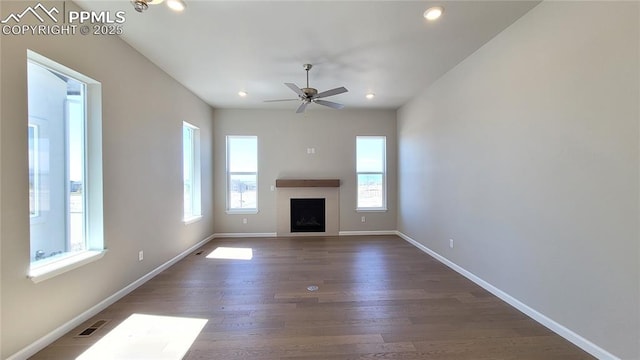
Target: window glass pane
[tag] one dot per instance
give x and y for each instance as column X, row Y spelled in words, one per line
column 191, row 171
column 243, row 152
column 56, row 163
column 75, row 161
column 370, row 190
column 242, row 191
column 370, row 168
column 187, row 165
column 242, row 172
column 370, row 154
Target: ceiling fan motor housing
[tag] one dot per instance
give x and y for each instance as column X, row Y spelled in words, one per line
column 309, row 92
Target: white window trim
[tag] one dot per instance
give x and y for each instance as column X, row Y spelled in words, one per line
column 94, row 190
column 36, row 172
column 230, row 210
column 241, row 211
column 196, row 187
column 382, row 208
column 192, row 219
column 372, row 210
column 64, row 264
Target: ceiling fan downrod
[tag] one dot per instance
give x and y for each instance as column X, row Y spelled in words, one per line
column 307, row 67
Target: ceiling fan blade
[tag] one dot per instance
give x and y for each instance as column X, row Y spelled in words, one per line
column 330, row 104
column 302, row 107
column 295, row 88
column 281, row 100
column 335, row 91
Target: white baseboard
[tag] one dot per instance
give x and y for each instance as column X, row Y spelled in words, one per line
column 559, row 329
column 44, row 341
column 242, row 235
column 367, row 232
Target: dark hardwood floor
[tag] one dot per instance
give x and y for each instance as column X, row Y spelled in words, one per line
column 378, row 297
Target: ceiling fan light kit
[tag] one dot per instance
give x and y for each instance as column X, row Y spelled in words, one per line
column 311, row 95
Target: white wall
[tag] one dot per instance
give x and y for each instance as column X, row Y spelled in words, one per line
column 143, row 110
column 526, row 154
column 283, row 139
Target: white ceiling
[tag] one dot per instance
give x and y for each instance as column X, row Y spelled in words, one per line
column 216, row 48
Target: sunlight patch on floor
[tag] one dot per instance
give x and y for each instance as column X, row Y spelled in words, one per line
column 231, row 253
column 147, row 337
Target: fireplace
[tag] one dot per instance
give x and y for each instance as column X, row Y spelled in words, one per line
column 326, row 190
column 307, row 215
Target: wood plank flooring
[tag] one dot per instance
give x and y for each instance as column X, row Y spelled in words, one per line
column 378, row 297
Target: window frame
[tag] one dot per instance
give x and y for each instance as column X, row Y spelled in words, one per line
column 229, row 174
column 35, row 185
column 383, row 174
column 92, row 168
column 196, row 178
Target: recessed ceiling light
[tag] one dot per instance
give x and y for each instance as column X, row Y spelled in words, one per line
column 433, row 13
column 176, row 5
column 242, row 93
column 370, row 96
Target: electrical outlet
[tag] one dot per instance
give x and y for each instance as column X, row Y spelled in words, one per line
column 451, row 243
column 244, row 220
column 273, row 188
column 140, row 255
column 363, row 219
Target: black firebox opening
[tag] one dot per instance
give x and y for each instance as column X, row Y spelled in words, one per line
column 307, row 215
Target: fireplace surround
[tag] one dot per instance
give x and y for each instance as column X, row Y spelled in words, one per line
column 326, row 190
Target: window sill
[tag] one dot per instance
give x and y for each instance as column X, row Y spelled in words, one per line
column 44, row 272
column 251, row 211
column 371, row 210
column 192, row 219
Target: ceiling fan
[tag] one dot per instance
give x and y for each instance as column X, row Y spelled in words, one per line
column 310, row 95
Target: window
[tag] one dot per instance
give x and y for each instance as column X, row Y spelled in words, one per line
column 191, row 171
column 242, row 173
column 65, row 167
column 371, row 172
